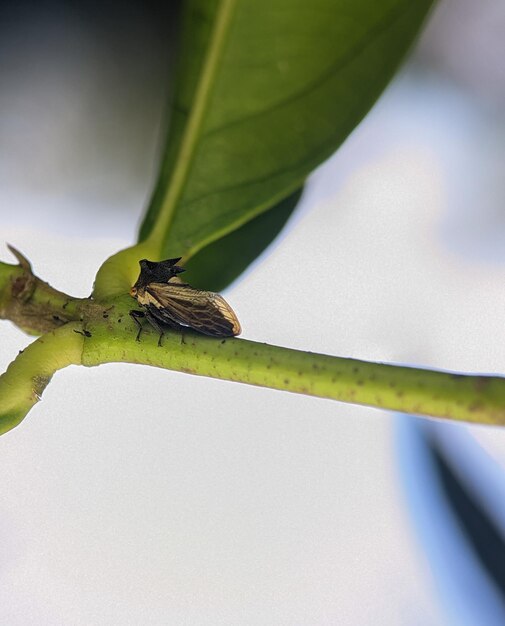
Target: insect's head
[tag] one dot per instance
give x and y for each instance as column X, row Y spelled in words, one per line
column 156, row 272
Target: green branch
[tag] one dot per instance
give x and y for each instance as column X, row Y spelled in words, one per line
column 35, row 306
column 25, row 379
column 410, row 390
column 93, row 333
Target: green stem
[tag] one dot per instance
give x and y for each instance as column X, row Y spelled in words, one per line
column 410, row 390
column 106, row 333
column 32, row 304
column 25, row 379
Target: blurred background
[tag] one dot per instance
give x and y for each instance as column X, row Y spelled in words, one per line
column 137, row 496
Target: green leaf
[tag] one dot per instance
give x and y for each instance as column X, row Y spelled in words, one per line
column 265, row 91
column 221, row 262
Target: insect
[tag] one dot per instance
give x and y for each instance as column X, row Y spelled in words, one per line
column 168, row 302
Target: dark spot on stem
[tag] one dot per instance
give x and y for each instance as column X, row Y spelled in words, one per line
column 481, row 383
column 85, row 333
column 475, row 406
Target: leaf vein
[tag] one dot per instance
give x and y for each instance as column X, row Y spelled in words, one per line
column 366, row 41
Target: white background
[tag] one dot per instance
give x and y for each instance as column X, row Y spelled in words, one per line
column 136, row 496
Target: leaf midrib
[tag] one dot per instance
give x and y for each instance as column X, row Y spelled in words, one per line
column 197, row 115
column 192, row 134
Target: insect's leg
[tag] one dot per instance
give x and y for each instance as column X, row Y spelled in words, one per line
column 154, row 322
column 135, row 315
column 84, row 333
column 176, row 326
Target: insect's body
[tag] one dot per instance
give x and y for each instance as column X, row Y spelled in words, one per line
column 168, row 302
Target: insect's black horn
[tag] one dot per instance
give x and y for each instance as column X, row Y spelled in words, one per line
column 177, row 269
column 145, row 264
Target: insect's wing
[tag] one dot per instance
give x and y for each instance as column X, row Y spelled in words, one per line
column 204, row 311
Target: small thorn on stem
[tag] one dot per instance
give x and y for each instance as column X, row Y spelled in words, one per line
column 22, row 260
